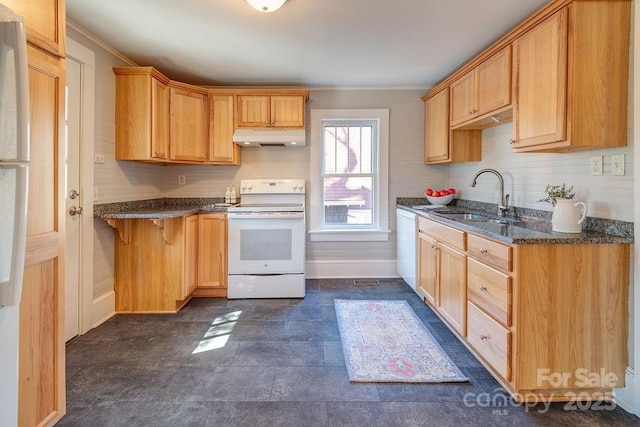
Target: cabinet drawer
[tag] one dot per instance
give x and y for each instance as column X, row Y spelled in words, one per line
column 490, row 339
column 490, row 290
column 492, row 253
column 450, row 236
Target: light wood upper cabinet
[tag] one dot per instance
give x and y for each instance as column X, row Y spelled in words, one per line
column 142, row 114
column 442, row 145
column 483, row 90
column 267, row 111
column 436, row 144
column 45, row 23
column 222, row 149
column 189, row 123
column 571, row 79
column 463, row 98
column 541, row 83
column 160, row 120
column 493, row 78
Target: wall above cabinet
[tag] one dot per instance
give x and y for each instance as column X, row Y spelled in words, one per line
column 561, row 76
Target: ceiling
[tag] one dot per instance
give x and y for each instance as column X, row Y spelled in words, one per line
column 314, row 43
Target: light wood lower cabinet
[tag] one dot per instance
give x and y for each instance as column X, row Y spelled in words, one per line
column 160, row 263
column 442, row 272
column 212, row 255
column 548, row 321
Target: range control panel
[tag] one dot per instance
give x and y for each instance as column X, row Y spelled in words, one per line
column 272, row 186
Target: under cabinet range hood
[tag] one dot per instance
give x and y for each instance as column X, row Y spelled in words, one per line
column 269, row 138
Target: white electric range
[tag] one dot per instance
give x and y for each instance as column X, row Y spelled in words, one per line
column 266, row 234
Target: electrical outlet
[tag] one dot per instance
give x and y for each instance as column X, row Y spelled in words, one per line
column 95, row 194
column 617, row 164
column 98, row 158
column 595, row 165
column 182, row 180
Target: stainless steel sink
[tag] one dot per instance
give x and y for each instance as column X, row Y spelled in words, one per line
column 474, row 217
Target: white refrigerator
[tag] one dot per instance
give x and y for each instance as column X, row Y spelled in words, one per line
column 14, row 161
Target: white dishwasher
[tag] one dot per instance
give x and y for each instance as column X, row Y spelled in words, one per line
column 406, row 247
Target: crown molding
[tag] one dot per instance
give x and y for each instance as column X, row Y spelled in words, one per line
column 90, row 36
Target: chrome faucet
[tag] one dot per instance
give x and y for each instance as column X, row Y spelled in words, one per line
column 503, row 205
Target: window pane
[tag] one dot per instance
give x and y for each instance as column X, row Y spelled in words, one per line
column 348, row 149
column 330, row 149
column 348, row 201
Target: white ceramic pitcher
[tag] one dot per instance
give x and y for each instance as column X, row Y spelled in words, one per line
column 566, row 216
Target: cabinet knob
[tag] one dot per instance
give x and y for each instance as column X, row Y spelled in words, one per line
column 157, row 153
column 444, row 155
column 434, row 247
column 512, row 141
column 472, row 111
column 267, row 122
column 483, row 288
column 484, row 337
column 483, row 251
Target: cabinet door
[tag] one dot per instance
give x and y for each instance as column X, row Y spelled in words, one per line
column 428, row 268
column 45, row 22
column 453, row 287
column 212, row 250
column 540, row 75
column 222, row 149
column 190, row 255
column 463, row 98
column 253, row 111
column 494, row 82
column 41, row 371
column 287, row 111
column 188, row 125
column 436, row 135
column 160, row 117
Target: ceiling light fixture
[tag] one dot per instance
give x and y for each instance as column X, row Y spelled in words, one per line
column 266, row 5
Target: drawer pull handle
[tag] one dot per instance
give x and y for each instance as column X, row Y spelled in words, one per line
column 484, row 337
column 483, row 288
column 483, row 251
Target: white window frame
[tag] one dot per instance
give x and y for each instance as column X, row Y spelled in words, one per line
column 379, row 231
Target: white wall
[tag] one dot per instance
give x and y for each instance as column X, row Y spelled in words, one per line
column 409, row 176
column 116, row 181
column 527, row 174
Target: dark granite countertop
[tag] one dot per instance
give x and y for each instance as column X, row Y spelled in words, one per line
column 158, row 208
column 522, row 226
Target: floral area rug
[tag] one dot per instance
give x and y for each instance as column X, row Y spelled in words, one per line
column 384, row 341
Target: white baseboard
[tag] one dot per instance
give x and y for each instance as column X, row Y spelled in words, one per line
column 627, row 397
column 104, row 308
column 331, row 269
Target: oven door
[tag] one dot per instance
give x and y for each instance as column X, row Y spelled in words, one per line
column 266, row 243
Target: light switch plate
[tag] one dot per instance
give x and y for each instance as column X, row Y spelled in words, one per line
column 595, row 165
column 95, row 194
column 98, row 158
column 617, row 164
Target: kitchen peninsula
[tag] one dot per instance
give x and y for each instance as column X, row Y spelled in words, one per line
column 167, row 251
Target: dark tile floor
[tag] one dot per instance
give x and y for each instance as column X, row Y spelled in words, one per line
column 276, row 363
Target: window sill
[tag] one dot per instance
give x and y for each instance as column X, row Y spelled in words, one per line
column 349, row 235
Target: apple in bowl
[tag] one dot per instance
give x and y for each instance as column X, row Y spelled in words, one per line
column 440, row 197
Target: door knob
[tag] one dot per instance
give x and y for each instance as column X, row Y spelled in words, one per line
column 73, row 194
column 75, row 210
